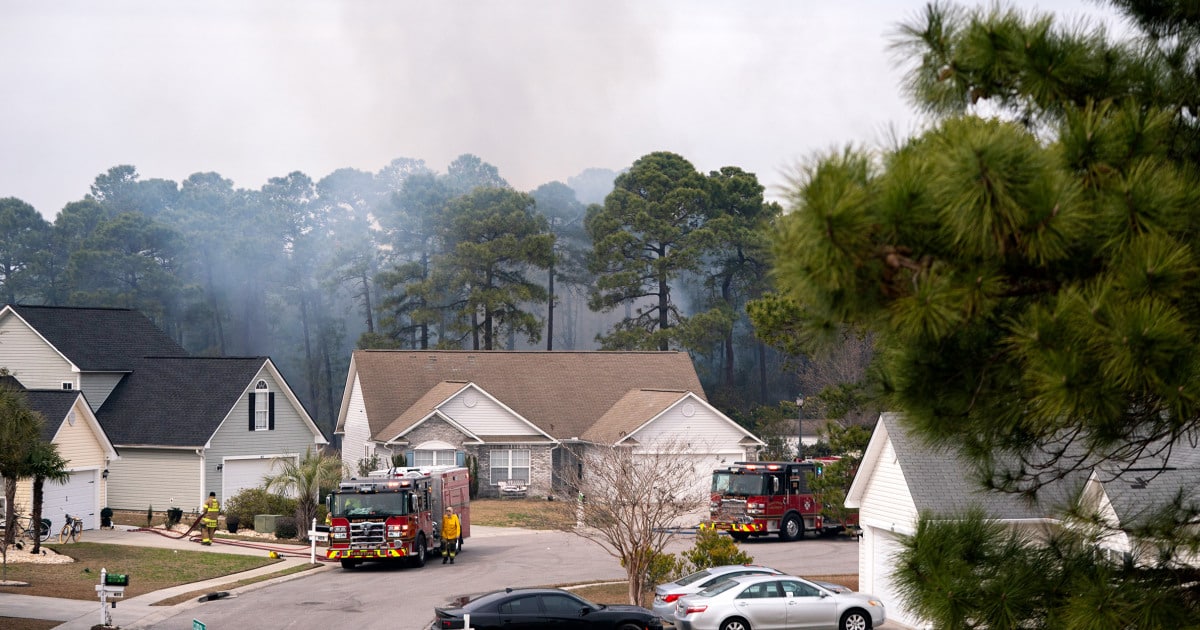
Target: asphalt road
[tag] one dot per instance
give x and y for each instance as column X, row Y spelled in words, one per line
column 384, row 596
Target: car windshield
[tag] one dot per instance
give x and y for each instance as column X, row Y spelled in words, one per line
column 718, row 588
column 699, row 575
column 730, row 484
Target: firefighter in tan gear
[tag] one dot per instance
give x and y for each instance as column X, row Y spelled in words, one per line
column 208, row 519
column 451, row 530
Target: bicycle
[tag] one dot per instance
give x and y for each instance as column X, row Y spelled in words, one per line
column 25, row 529
column 72, row 530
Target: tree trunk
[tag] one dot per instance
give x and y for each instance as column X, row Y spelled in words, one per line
column 35, row 514
column 550, row 311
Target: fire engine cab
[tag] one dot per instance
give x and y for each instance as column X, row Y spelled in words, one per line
column 761, row 498
column 396, row 514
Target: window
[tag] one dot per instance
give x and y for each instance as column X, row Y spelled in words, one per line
column 68, row 386
column 799, row 589
column 761, row 590
column 562, row 606
column 526, row 605
column 261, row 406
column 434, row 458
column 510, row 464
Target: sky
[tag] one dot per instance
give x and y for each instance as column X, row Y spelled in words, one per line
column 542, row 89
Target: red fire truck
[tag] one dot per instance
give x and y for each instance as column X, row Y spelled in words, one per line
column 396, row 514
column 761, row 498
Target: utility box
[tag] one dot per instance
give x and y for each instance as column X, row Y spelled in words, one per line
column 265, row 523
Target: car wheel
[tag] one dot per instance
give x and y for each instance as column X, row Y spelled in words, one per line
column 630, row 626
column 739, row 536
column 737, row 623
column 422, row 550
column 855, row 620
column 349, row 564
column 792, row 528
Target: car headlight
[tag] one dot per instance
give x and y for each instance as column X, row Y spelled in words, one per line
column 874, row 602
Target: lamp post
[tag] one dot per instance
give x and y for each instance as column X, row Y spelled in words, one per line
column 800, row 427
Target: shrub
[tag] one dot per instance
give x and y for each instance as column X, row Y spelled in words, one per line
column 231, row 523
column 150, row 516
column 254, row 501
column 174, row 515
column 285, row 527
column 714, row 549
column 106, row 515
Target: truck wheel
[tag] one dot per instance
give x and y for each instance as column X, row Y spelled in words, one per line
column 792, row 528
column 349, row 564
column 739, row 536
column 418, row 557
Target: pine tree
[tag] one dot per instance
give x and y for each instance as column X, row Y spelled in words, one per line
column 1028, row 267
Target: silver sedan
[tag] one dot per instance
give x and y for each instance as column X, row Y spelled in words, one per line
column 775, row 602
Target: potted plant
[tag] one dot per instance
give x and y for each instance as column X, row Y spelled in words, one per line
column 106, row 515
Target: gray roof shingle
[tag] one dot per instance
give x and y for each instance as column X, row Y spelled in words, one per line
column 176, row 401
column 99, row 339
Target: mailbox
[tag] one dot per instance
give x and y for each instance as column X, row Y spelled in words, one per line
column 116, row 579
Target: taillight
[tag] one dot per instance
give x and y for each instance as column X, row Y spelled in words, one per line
column 695, row 608
column 672, row 597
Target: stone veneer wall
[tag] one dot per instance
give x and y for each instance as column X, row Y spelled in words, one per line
column 540, row 466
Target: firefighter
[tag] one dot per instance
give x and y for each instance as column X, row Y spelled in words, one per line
column 208, row 521
column 451, row 529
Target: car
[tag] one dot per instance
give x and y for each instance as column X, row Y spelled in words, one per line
column 665, row 595
column 541, row 608
column 775, row 602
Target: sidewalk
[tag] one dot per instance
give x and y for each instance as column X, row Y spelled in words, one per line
column 138, row 612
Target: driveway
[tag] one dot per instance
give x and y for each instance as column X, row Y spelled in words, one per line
column 381, row 596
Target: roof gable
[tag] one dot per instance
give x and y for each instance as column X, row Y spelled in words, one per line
column 98, row 339
column 942, row 482
column 562, row 393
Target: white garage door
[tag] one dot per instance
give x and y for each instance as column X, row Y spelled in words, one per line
column 698, row 467
column 885, row 546
column 77, row 497
column 239, row 474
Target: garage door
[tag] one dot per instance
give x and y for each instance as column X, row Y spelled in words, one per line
column 78, row 497
column 698, row 468
column 239, row 474
column 885, row 546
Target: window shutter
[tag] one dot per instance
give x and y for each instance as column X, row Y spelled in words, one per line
column 251, row 410
column 271, row 411
column 460, row 458
column 408, row 458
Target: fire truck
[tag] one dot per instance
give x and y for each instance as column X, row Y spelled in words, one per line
column 762, row 498
column 396, row 514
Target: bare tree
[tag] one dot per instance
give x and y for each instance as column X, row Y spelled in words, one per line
column 630, row 500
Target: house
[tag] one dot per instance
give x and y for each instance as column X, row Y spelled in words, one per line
column 900, row 477
column 70, row 424
column 1130, row 500
column 181, row 426
column 527, row 416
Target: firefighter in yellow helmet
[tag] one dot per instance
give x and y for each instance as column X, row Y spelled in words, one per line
column 451, row 530
column 208, row 520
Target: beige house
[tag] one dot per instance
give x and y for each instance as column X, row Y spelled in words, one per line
column 70, row 424
column 527, row 416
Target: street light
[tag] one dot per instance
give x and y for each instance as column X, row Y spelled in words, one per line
column 800, row 427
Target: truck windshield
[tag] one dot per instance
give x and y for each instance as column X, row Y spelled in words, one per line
column 381, row 504
column 730, row 484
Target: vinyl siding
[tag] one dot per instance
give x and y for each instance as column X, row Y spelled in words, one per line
column 702, row 432
column 158, row 478
column 234, row 439
column 97, row 386
column 486, row 417
column 887, row 502
column 356, row 430
column 30, row 359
